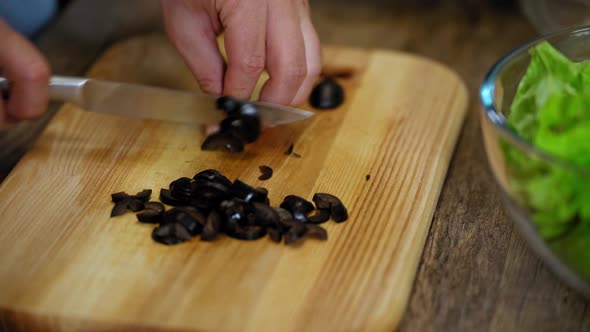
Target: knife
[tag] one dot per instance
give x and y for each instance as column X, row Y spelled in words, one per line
column 147, row 102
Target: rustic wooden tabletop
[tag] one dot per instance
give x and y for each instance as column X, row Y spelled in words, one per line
column 476, row 272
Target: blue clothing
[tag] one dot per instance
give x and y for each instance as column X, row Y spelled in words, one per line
column 27, row 16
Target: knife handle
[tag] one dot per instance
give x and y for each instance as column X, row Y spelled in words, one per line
column 61, row 88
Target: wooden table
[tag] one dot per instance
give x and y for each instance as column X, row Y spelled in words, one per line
column 476, row 272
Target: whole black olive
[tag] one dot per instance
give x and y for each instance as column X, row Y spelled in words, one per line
column 228, row 104
column 328, row 94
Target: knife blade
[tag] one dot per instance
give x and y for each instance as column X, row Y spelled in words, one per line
column 148, row 102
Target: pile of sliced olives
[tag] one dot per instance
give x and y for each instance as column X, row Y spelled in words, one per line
column 209, row 205
column 241, row 126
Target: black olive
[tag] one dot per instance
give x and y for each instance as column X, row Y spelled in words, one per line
column 213, row 227
column 167, row 198
column 316, row 232
column 152, row 214
column 242, row 126
column 367, row 177
column 298, row 206
column 237, row 212
column 328, row 94
column 265, row 215
column 182, row 189
column 228, row 104
column 246, row 232
column 290, row 149
column 248, row 193
column 246, row 128
column 211, row 175
column 125, row 202
column 265, row 172
column 338, row 211
column 150, row 217
column 275, row 234
column 119, row 197
column 192, row 225
column 144, row 195
column 155, row 206
column 320, row 216
column 295, row 233
column 170, row 234
column 223, row 142
column 118, row 209
column 209, row 194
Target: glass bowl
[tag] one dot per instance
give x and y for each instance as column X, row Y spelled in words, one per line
column 520, row 169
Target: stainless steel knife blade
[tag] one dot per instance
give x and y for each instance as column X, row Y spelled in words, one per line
column 147, row 102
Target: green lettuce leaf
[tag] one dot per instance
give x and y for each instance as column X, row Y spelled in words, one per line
column 551, row 109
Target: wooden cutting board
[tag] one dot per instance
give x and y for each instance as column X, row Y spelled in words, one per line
column 65, row 265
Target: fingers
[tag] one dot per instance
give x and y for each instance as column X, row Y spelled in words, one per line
column 286, row 58
column 312, row 56
column 28, row 72
column 192, row 30
column 245, row 32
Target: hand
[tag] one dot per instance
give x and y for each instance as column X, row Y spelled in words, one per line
column 274, row 34
column 28, row 73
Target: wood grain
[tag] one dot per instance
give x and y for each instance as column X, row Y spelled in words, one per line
column 476, row 272
column 64, row 258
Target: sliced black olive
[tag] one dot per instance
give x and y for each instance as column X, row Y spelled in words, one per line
column 119, row 197
column 328, row 94
column 265, row 215
column 125, row 202
column 248, row 193
column 209, row 194
column 135, row 205
column 228, row 104
column 320, row 216
column 316, row 232
column 143, row 195
column 265, row 172
column 211, row 175
column 213, row 226
column 167, row 198
column 155, row 206
column 367, row 177
column 119, row 209
column 150, row 217
column 182, row 189
column 298, row 206
column 192, row 225
column 275, row 234
column 152, row 214
column 290, row 149
column 295, row 233
column 246, row 232
column 237, row 212
column 170, row 234
column 338, row 211
column 223, row 142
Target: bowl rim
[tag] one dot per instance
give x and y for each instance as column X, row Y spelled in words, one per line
column 487, row 90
